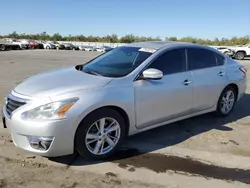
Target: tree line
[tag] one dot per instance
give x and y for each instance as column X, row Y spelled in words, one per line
column 128, row 39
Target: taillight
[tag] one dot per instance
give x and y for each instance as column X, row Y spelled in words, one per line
column 243, row 69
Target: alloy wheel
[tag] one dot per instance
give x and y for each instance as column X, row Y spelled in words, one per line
column 227, row 102
column 102, row 136
column 240, row 55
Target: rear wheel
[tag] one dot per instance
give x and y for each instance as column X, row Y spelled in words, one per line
column 2, row 47
column 226, row 101
column 47, row 47
column 100, row 134
column 240, row 55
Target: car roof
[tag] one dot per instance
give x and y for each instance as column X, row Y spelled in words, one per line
column 162, row 44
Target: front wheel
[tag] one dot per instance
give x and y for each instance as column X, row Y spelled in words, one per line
column 226, row 101
column 47, row 47
column 99, row 134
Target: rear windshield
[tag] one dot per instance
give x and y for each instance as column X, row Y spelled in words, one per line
column 118, row 62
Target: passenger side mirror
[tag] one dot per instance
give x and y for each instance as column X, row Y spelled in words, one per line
column 152, row 74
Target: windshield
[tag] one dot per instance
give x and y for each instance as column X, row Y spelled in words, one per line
column 118, row 62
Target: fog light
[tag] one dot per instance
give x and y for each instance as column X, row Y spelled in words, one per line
column 40, row 143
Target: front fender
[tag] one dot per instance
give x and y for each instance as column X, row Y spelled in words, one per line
column 90, row 100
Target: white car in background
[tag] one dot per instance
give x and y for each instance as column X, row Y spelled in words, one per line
column 4, row 45
column 99, row 49
column 48, row 45
column 240, row 52
column 86, row 48
column 226, row 51
column 21, row 44
column 24, row 41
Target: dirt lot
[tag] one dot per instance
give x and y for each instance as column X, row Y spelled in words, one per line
column 202, row 150
column 24, row 174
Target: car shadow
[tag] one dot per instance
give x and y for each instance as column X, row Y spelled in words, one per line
column 168, row 135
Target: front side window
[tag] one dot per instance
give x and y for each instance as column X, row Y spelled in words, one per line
column 170, row 62
column 118, row 62
column 200, row 58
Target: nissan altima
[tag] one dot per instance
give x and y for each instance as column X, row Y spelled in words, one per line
column 92, row 107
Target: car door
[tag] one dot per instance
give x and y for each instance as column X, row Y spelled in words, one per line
column 209, row 77
column 157, row 101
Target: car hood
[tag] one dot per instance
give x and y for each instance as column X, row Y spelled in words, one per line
column 60, row 81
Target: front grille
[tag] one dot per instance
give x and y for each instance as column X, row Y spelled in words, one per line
column 13, row 105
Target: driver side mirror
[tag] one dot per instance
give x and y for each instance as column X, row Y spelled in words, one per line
column 152, row 74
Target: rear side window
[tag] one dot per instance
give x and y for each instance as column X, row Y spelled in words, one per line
column 220, row 59
column 200, row 58
column 170, row 62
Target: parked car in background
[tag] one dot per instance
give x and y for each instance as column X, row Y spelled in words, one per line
column 4, row 45
column 226, row 51
column 58, row 45
column 91, row 108
column 69, row 46
column 39, row 43
column 33, row 44
column 85, row 48
column 241, row 52
column 48, row 45
column 81, row 47
column 99, row 49
column 21, row 44
column 25, row 42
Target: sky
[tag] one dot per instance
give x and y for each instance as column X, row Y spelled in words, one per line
column 163, row 18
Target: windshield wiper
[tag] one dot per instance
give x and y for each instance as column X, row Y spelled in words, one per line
column 92, row 72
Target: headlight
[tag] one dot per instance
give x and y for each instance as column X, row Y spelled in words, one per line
column 51, row 111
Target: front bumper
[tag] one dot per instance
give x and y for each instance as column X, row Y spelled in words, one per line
column 57, row 134
column 24, row 46
column 231, row 54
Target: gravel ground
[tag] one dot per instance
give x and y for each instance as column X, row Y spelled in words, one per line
column 14, row 173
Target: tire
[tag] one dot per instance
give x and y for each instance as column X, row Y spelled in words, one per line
column 3, row 47
column 240, row 55
column 47, row 47
column 89, row 125
column 227, row 111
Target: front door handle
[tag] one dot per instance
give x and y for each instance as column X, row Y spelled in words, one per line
column 221, row 73
column 187, row 82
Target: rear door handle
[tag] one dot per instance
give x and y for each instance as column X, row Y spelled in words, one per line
column 221, row 73
column 187, row 82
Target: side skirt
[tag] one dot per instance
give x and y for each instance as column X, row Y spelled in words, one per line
column 135, row 131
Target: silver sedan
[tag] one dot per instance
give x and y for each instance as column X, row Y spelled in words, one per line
column 91, row 108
